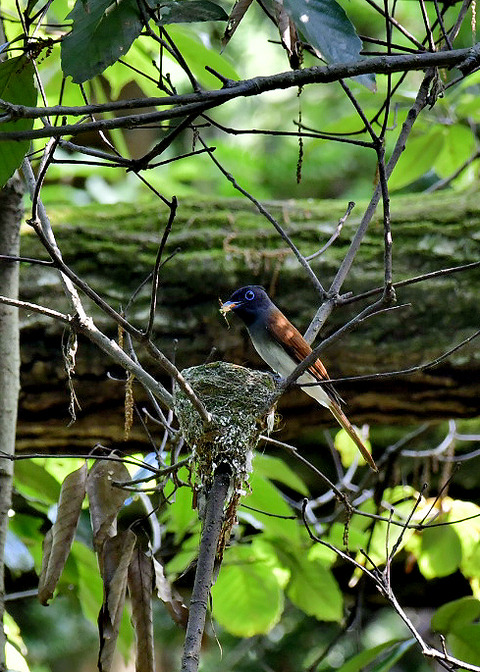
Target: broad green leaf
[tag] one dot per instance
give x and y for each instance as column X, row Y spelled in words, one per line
column 328, row 29
column 393, row 656
column 140, row 57
column 182, row 558
column 458, row 147
column 35, row 481
column 355, row 536
column 102, row 32
column 418, row 158
column 276, row 470
column 198, row 56
column 313, row 589
column 265, row 497
column 181, row 516
column 465, row 643
column 247, row 598
column 16, row 86
column 359, row 662
column 440, row 552
column 348, row 450
column 189, row 11
column 456, row 620
column 456, row 614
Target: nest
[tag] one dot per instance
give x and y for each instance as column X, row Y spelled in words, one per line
column 238, row 400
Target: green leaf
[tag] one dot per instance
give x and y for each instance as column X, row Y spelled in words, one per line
column 276, row 470
column 102, row 32
column 455, row 615
column 328, row 29
column 35, row 481
column 465, row 643
column 394, row 656
column 455, row 620
column 16, row 86
column 189, row 11
column 265, row 497
column 247, row 597
column 440, row 552
column 313, row 589
column 198, row 56
column 181, row 516
column 183, row 557
column 348, row 450
column 361, row 660
column 459, row 145
column 417, row 159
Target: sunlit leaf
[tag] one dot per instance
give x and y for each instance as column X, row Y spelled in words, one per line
column 16, row 86
column 457, row 620
column 313, row 589
column 441, row 552
column 34, row 480
column 102, row 32
column 198, row 56
column 62, row 534
column 458, row 147
column 329, row 31
column 247, row 582
column 417, row 159
column 348, row 450
column 265, row 497
column 277, row 470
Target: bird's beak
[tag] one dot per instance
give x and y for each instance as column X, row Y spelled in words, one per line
column 228, row 306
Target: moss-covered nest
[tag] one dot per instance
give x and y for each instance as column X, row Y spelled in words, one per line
column 238, row 400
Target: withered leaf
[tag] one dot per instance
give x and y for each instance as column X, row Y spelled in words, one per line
column 288, row 34
column 140, row 583
column 169, row 596
column 236, row 15
column 105, row 499
column 116, row 556
column 59, row 539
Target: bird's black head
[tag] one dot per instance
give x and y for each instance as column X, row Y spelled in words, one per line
column 248, row 303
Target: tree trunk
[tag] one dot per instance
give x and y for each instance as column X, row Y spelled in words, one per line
column 225, row 244
column 10, row 218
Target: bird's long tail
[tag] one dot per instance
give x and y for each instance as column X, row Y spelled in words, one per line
column 342, row 420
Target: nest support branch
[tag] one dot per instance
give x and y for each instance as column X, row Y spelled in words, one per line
column 236, row 399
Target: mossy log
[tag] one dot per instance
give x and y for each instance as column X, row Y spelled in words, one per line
column 225, row 244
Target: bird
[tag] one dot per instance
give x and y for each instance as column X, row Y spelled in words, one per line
column 282, row 347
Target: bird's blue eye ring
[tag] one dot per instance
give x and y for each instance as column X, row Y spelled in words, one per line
column 249, row 295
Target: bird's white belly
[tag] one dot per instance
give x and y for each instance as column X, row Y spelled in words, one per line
column 280, row 362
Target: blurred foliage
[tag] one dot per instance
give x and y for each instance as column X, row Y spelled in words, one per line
column 275, row 581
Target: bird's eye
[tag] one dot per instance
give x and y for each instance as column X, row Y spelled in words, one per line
column 249, row 295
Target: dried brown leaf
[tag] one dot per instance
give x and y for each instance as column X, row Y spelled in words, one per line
column 169, row 596
column 59, row 539
column 288, row 34
column 116, row 556
column 105, row 499
column 140, row 583
column 236, row 15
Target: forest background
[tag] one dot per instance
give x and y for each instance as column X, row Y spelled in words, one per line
column 171, row 152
